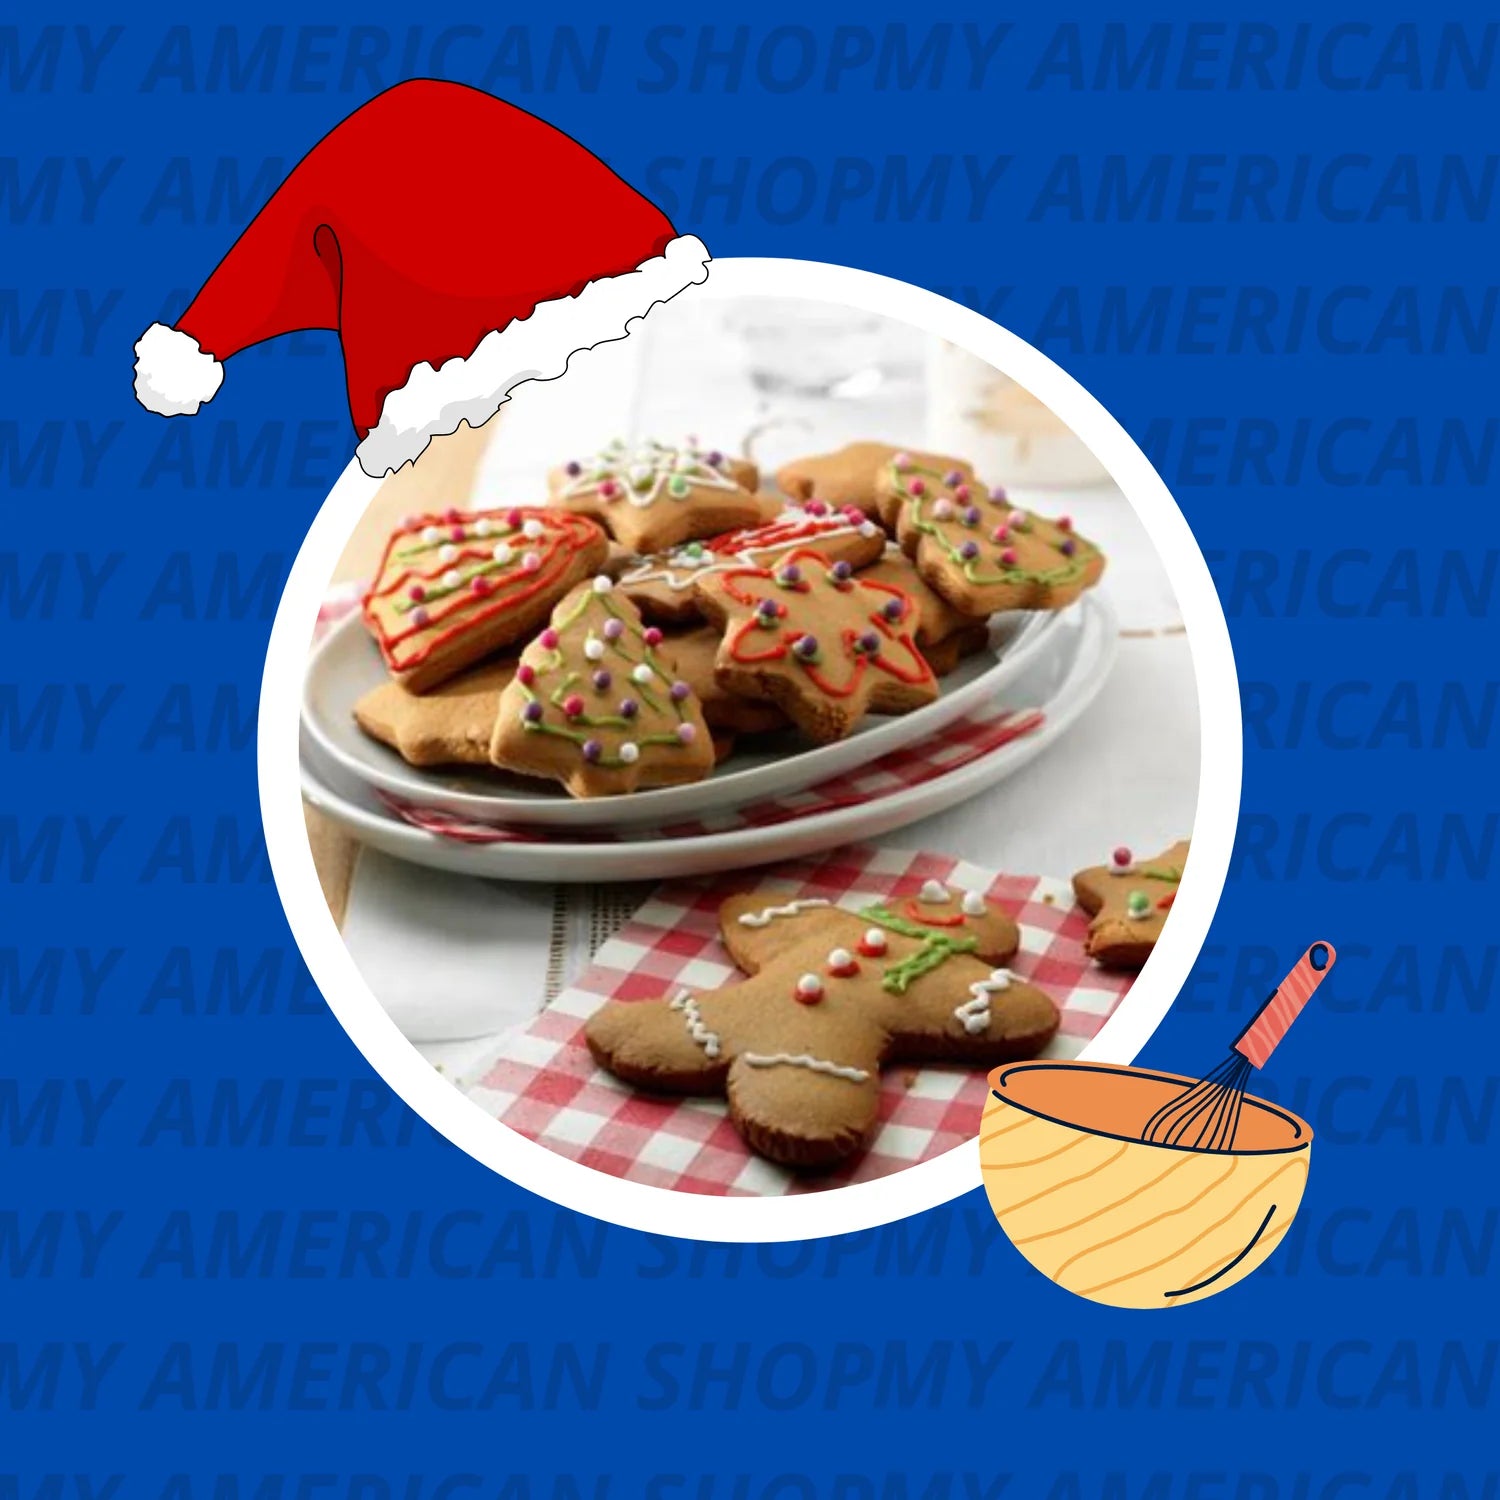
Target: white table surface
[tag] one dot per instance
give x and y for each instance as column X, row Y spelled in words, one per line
column 457, row 961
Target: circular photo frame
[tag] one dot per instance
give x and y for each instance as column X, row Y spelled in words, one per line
column 844, row 1209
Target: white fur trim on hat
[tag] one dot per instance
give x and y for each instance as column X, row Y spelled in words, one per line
column 173, row 375
column 435, row 401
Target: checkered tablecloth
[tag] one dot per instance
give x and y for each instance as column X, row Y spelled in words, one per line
column 544, row 1084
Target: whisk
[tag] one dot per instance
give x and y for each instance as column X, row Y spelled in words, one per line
column 1206, row 1115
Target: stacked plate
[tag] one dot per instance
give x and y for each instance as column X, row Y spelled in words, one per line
column 775, row 797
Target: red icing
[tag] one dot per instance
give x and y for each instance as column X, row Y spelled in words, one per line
column 563, row 537
column 1166, row 901
column 914, row 911
column 775, row 534
column 778, row 647
column 843, row 971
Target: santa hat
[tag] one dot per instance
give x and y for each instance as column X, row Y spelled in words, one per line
column 458, row 245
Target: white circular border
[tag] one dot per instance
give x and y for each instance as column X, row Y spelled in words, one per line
column 864, row 1205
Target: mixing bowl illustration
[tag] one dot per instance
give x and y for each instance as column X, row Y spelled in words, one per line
column 1147, row 1189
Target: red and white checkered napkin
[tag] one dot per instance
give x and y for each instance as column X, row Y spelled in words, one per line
column 544, row 1084
column 953, row 747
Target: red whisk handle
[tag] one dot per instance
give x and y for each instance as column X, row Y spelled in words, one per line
column 1274, row 1019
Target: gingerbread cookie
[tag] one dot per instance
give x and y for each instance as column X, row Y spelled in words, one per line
column 449, row 726
column 852, row 474
column 1129, row 902
column 945, row 656
column 694, row 651
column 596, row 704
column 937, row 619
column 662, row 587
column 652, row 496
column 818, row 641
column 983, row 555
column 834, row 996
column 453, row 588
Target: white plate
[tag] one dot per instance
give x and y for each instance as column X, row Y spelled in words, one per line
column 346, row 665
column 1062, row 683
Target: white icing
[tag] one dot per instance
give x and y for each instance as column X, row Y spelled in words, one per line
column 934, row 892
column 804, row 1060
column 973, row 904
column 875, row 940
column 652, row 462
column 974, row 1014
column 840, row 958
column 648, row 571
column 704, row 1035
column 768, row 914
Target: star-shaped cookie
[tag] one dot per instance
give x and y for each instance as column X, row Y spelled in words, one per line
column 819, row 641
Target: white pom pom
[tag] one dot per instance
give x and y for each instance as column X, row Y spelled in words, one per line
column 173, row 376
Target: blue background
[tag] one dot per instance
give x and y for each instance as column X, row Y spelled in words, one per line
column 1373, row 1326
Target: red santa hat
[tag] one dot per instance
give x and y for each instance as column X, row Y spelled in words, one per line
column 457, row 244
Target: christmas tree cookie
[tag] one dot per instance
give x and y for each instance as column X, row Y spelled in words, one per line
column 1129, row 902
column 833, row 996
column 980, row 552
column 453, row 588
column 652, row 496
column 819, row 641
column 595, row 703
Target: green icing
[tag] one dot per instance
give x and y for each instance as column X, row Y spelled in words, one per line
column 937, row 948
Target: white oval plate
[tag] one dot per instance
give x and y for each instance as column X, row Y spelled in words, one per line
column 346, row 665
column 1062, row 682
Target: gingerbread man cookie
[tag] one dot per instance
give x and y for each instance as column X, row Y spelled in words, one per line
column 663, row 587
column 1129, row 902
column 834, row 996
column 981, row 553
column 449, row 726
column 596, row 703
column 852, row 474
column 453, row 588
column 652, row 496
column 818, row 641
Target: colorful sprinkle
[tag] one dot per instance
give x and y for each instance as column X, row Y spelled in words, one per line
column 532, row 714
column 678, row 692
column 480, row 584
column 416, row 592
column 526, row 674
column 841, row 572
column 1138, row 905
column 791, row 573
column 1068, row 548
column 531, row 561
column 513, row 517
column 574, row 468
column 502, row 552
column 629, row 708
column 593, row 648
column 613, row 629
column 677, row 485
column 942, row 510
column 1000, row 535
column 651, row 635
column 608, row 489
column 687, row 733
column 842, row 964
column 591, row 751
column 969, row 551
column 1064, row 523
column 603, row 585
column 868, row 643
column 572, row 705
column 998, row 495
column 630, row 752
column 953, row 477
column 901, row 460
column 768, row 612
column 1121, row 857
column 873, row 944
column 601, row 679
column 971, row 515
column 1008, row 557
column 806, row 647
column 548, row 639
column 917, row 487
column 431, row 534
column 893, row 609
column 447, row 552
column 452, row 578
column 419, row 616
column 816, row 508
column 809, row 990
column 641, row 674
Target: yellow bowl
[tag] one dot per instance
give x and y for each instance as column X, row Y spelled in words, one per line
column 1114, row 1219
